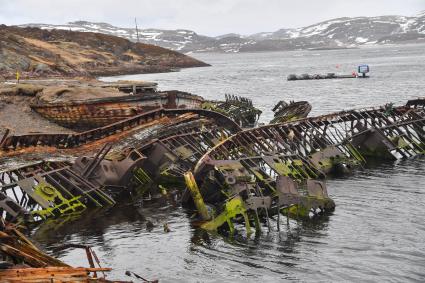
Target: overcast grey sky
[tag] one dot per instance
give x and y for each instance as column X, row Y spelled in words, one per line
column 209, row 17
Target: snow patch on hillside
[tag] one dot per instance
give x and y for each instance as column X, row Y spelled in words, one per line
column 361, row 40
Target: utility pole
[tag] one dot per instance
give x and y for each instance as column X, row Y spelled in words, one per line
column 137, row 30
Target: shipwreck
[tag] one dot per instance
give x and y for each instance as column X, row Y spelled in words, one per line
column 79, row 107
column 227, row 174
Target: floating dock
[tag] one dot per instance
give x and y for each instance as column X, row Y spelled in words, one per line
column 293, row 77
column 362, row 70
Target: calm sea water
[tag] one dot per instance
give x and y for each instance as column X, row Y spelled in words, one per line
column 377, row 232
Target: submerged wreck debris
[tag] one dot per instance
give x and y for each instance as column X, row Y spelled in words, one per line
column 273, row 168
column 172, row 155
column 50, row 189
column 88, row 108
column 47, row 189
column 238, row 108
column 238, row 176
column 22, row 261
column 416, row 103
column 284, row 112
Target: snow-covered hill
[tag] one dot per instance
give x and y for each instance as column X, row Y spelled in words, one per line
column 360, row 30
column 335, row 33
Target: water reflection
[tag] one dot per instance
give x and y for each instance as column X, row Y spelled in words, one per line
column 378, row 220
column 370, row 229
column 97, row 227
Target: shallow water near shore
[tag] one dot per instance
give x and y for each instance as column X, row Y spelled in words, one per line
column 377, row 232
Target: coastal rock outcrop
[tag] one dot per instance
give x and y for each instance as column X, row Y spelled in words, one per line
column 39, row 53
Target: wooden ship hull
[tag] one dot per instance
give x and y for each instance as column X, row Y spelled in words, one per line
column 94, row 113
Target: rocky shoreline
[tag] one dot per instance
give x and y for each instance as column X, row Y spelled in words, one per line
column 37, row 53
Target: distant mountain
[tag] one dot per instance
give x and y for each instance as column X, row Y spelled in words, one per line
column 335, row 33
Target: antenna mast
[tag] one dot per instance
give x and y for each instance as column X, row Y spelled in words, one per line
column 137, row 30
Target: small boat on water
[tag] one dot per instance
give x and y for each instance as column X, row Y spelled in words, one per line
column 83, row 108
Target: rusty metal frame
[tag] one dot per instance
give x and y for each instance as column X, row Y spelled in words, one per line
column 19, row 187
column 252, row 161
column 228, row 162
column 75, row 140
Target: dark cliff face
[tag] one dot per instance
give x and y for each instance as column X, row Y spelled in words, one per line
column 36, row 52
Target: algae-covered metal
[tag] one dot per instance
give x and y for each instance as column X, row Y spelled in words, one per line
column 275, row 167
column 47, row 189
column 50, row 189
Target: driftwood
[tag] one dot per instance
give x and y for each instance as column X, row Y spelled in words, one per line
column 24, row 262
